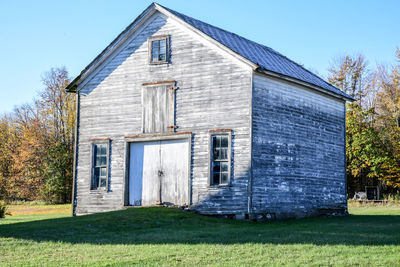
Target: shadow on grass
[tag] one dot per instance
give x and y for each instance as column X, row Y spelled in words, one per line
column 172, row 226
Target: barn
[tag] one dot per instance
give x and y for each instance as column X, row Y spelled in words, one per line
column 175, row 111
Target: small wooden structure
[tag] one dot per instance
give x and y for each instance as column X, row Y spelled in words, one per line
column 179, row 112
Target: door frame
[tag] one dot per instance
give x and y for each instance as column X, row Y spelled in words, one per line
column 156, row 137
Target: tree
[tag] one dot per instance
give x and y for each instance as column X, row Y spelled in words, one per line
column 387, row 103
column 366, row 155
column 36, row 148
column 373, row 136
column 58, row 110
column 6, row 161
column 351, row 75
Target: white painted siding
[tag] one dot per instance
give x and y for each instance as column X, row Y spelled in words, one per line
column 213, row 92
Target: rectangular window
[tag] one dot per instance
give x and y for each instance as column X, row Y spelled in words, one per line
column 159, row 49
column 100, row 166
column 220, row 159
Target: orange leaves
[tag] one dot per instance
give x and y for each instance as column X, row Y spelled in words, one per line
column 29, row 133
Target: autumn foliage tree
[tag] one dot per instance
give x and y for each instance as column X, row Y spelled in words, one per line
column 387, row 104
column 37, row 145
column 372, row 122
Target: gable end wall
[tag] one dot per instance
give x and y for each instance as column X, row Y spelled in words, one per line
column 212, row 92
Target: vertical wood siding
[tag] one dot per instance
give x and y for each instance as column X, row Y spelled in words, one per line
column 212, row 92
column 298, row 150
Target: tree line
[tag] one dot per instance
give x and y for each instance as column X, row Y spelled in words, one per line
column 372, row 122
column 36, row 144
column 37, row 139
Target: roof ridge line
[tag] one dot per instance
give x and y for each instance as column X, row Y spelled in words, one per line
column 254, row 42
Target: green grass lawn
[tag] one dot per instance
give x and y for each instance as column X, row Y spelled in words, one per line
column 163, row 236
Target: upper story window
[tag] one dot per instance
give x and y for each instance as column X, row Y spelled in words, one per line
column 220, row 160
column 159, row 47
column 99, row 166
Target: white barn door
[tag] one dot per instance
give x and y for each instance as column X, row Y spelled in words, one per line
column 158, row 171
column 174, row 166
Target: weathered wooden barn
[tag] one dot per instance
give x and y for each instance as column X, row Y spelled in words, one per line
column 179, row 112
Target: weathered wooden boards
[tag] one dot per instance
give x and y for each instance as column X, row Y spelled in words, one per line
column 159, row 173
column 287, row 141
column 212, row 92
column 298, row 150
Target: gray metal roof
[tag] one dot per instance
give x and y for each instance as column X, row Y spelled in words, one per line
column 264, row 57
column 259, row 54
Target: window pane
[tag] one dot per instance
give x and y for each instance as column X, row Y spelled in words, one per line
column 214, row 142
column 218, row 141
column 162, row 57
column 215, row 154
column 103, row 149
column 215, row 178
column 224, row 166
column 97, row 160
column 95, row 156
column 224, row 178
column 155, row 51
column 224, row 141
column 103, row 161
column 216, row 166
column 100, row 155
column 223, row 153
column 155, row 44
column 95, row 178
column 103, row 177
column 103, row 182
column 162, row 43
column 103, row 172
column 154, row 57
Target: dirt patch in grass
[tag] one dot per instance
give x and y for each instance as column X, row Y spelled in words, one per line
column 39, row 209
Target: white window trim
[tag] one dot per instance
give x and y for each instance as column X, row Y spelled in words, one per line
column 95, row 141
column 211, row 133
column 167, row 48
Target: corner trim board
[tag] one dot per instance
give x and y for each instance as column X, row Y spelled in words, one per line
column 75, row 165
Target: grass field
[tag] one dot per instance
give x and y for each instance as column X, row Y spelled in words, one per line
column 48, row 236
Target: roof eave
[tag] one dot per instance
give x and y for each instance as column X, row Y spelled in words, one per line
column 99, row 59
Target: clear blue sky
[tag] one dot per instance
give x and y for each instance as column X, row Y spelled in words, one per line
column 38, row 35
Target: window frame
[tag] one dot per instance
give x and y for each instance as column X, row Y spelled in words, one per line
column 219, row 132
column 167, row 49
column 94, row 142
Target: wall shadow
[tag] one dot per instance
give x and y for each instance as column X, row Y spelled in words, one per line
column 173, row 226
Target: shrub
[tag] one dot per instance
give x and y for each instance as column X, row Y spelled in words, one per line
column 394, row 198
column 3, row 209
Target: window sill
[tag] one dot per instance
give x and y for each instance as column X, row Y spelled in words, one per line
column 158, row 62
column 98, row 191
column 219, row 186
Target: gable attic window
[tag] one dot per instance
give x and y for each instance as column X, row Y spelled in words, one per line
column 159, row 47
